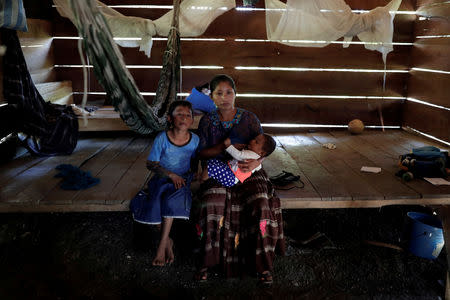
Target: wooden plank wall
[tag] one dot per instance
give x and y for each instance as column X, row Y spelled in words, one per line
column 238, row 24
column 37, row 48
column 431, row 51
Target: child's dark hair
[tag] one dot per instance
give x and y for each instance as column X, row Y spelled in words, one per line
column 177, row 103
column 221, row 78
column 269, row 145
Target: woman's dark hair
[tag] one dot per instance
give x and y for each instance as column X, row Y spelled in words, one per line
column 177, row 103
column 221, row 78
column 269, row 145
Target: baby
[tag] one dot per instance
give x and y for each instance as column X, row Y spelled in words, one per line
column 228, row 174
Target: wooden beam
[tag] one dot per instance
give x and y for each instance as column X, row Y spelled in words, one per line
column 427, row 119
column 230, row 53
column 257, row 81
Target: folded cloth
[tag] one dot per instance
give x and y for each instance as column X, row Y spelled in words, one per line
column 74, row 178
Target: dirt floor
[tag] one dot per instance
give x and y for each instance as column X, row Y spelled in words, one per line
column 106, row 256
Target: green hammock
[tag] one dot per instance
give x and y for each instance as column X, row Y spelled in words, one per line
column 110, row 70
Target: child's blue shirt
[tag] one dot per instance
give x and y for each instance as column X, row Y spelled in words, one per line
column 176, row 159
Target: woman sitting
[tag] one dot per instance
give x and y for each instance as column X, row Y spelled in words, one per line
column 241, row 225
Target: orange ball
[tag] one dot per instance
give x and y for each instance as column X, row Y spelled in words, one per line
column 356, row 126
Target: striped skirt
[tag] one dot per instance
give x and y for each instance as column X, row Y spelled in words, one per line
column 241, row 226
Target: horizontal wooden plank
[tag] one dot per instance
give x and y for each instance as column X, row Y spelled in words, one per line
column 326, row 185
column 432, row 26
column 322, row 111
column 415, row 140
column 390, row 146
column 38, row 54
column 230, row 53
column 38, row 50
column 286, row 203
column 435, row 9
column 112, row 174
column 354, row 183
column 37, row 29
column 383, row 182
column 279, row 161
column 94, row 166
column 30, row 185
column 296, row 111
column 421, row 3
column 12, row 169
column 431, row 54
column 238, row 24
column 277, row 82
column 427, row 119
column 355, row 4
column 430, row 87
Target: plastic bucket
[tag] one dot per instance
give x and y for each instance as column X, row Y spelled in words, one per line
column 426, row 236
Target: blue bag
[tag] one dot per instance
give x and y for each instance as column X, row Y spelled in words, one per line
column 12, row 15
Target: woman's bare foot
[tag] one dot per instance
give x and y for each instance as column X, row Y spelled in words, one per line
column 169, row 252
column 160, row 258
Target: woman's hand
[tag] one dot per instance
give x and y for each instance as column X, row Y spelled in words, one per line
column 248, row 165
column 239, row 146
column 227, row 142
column 178, row 181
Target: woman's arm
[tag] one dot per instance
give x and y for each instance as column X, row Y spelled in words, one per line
column 250, row 164
column 212, row 151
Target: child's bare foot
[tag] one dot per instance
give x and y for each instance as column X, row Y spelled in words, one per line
column 169, row 252
column 160, row 258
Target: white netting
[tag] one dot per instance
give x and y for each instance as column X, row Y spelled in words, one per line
column 195, row 17
column 306, row 23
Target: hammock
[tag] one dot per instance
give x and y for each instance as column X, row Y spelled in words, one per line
column 194, row 18
column 110, row 69
column 93, row 20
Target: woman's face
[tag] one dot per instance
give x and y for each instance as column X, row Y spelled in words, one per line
column 224, row 96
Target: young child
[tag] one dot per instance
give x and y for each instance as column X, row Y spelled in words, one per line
column 229, row 174
column 169, row 189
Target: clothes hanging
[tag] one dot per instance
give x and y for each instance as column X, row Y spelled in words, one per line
column 305, row 23
column 195, row 16
column 46, row 128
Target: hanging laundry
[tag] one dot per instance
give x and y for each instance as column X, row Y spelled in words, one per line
column 195, row 17
column 46, row 128
column 305, row 23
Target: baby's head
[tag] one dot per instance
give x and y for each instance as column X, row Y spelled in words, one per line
column 262, row 144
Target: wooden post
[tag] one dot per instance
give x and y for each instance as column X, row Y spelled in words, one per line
column 444, row 212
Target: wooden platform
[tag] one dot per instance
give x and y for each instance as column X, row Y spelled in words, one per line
column 332, row 177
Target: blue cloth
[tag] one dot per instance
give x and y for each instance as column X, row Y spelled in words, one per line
column 162, row 201
column 221, row 172
column 74, row 178
column 428, row 152
column 429, row 161
column 12, row 15
column 201, row 101
column 176, row 159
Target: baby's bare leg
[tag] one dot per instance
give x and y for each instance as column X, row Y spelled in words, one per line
column 160, row 258
column 205, row 175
